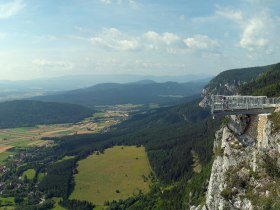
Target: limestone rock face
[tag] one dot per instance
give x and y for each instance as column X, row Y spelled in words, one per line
column 238, row 124
column 240, row 145
column 229, row 157
column 229, row 88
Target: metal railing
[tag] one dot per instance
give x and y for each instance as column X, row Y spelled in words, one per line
column 223, row 103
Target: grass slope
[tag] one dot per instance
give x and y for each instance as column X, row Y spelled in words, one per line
column 56, row 205
column 7, row 203
column 30, row 174
column 119, row 168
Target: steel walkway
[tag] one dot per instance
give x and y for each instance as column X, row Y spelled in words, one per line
column 233, row 105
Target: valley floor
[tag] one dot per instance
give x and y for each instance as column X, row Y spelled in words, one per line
column 119, row 173
column 26, row 160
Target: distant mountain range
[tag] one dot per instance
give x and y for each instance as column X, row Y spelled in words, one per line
column 80, row 81
column 14, row 90
column 141, row 92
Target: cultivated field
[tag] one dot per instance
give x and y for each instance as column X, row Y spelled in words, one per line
column 20, row 137
column 4, row 148
column 32, row 136
column 117, row 174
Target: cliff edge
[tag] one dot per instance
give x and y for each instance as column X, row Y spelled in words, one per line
column 245, row 173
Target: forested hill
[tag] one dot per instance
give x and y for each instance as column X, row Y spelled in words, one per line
column 23, row 113
column 171, row 136
column 266, row 84
column 144, row 92
column 228, row 81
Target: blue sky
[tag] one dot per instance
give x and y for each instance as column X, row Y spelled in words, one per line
column 157, row 37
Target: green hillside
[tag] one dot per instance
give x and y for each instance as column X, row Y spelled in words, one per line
column 170, row 136
column 266, row 84
column 234, row 77
column 24, row 113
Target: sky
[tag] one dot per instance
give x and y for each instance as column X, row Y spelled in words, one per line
column 51, row 38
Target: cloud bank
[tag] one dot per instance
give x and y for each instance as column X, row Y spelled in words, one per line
column 114, row 39
column 10, row 8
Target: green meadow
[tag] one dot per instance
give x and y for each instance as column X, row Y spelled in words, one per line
column 30, row 174
column 56, row 205
column 4, row 156
column 117, row 174
column 7, row 203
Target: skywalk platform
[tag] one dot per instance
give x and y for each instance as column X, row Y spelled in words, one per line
column 233, row 105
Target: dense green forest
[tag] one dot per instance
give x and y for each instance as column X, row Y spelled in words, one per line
column 267, row 84
column 169, row 136
column 133, row 93
column 24, row 113
column 58, row 181
column 234, row 77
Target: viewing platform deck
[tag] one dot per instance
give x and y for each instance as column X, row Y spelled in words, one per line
column 234, row 105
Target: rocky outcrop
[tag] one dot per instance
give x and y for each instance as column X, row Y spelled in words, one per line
column 239, row 174
column 231, row 155
column 221, row 89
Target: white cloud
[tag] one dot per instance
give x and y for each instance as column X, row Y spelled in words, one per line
column 170, row 38
column 152, row 36
column 229, row 13
column 112, row 38
column 10, row 9
column 257, row 31
column 201, row 42
column 54, row 65
column 166, row 38
column 253, row 35
column 169, row 42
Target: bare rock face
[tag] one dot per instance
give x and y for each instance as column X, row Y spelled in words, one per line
column 238, row 124
column 240, row 148
column 204, row 102
column 206, row 97
column 221, row 89
column 230, row 155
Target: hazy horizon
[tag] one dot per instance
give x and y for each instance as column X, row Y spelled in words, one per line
column 78, row 76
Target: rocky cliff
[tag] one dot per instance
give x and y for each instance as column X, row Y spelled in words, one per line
column 228, row 82
column 245, row 173
column 222, row 89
